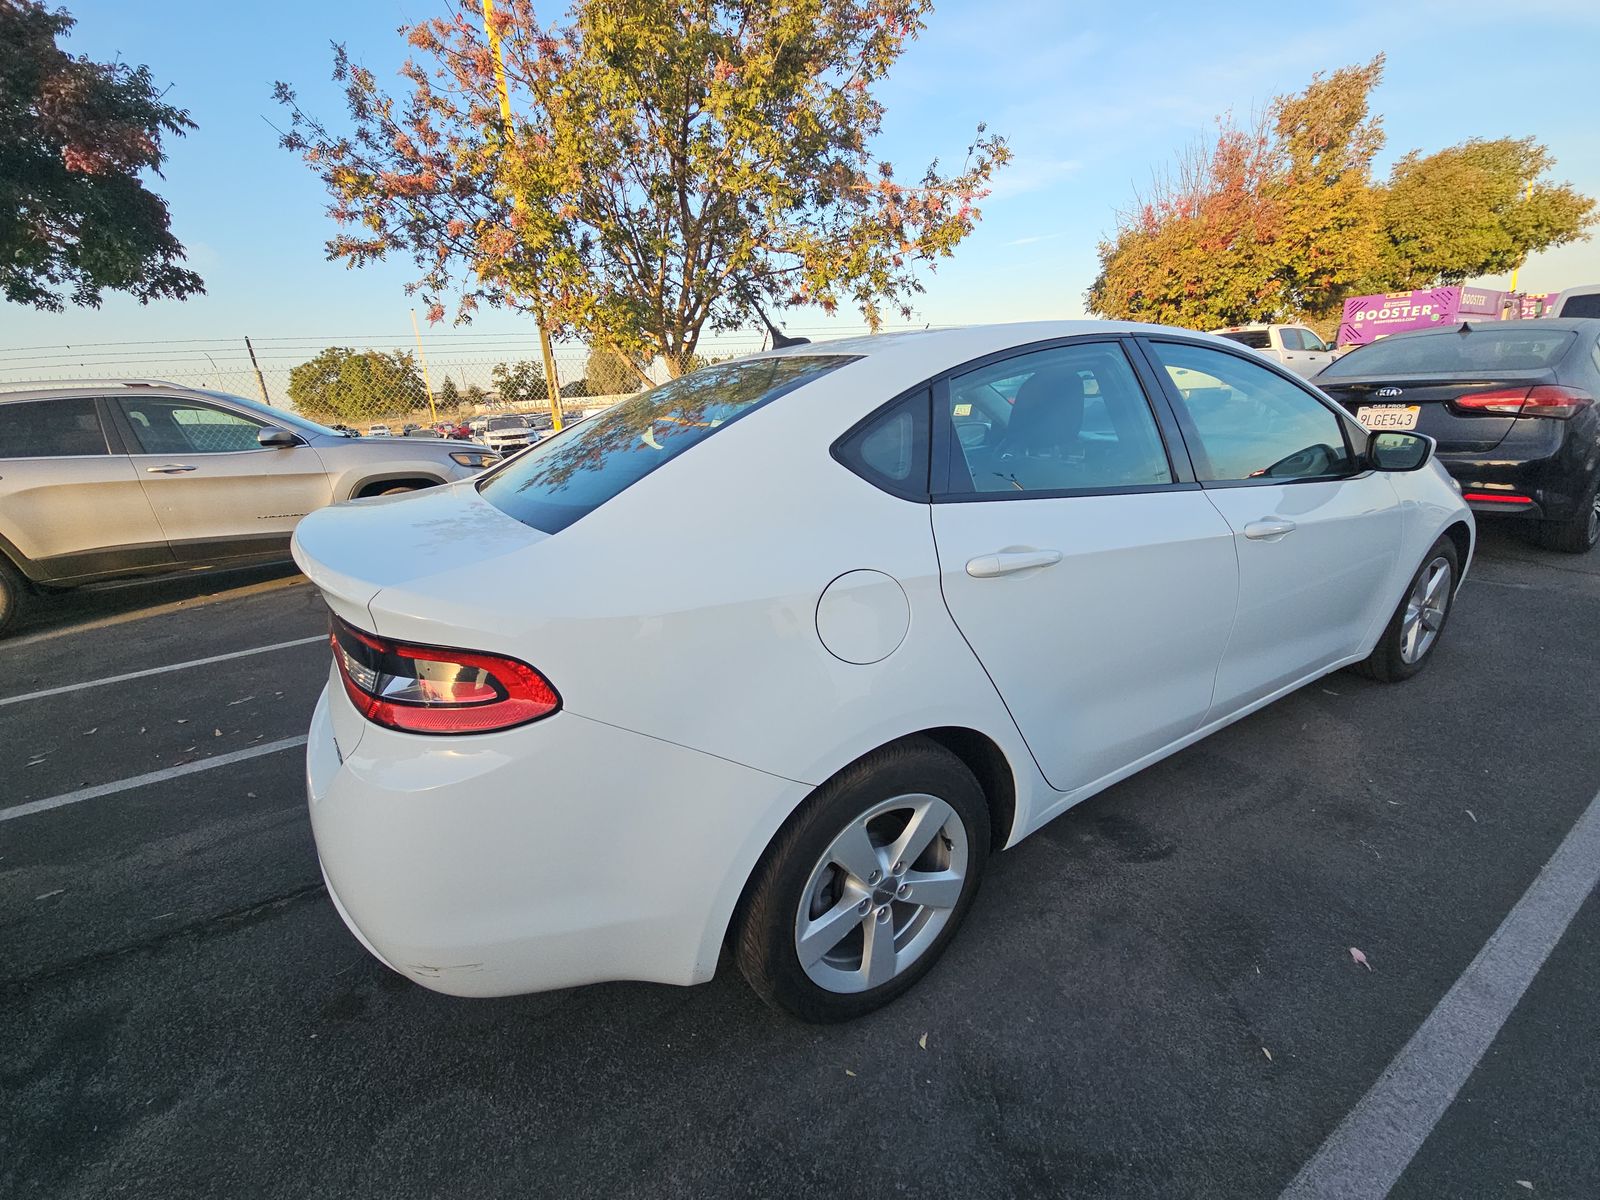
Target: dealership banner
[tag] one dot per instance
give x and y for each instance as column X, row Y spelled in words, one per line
column 1368, row 318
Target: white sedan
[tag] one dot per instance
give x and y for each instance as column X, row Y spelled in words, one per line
column 598, row 712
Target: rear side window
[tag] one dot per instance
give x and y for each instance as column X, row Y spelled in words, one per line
column 50, row 429
column 570, row 475
column 891, row 450
column 1483, row 348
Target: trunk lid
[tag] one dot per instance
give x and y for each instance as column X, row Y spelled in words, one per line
column 1457, row 430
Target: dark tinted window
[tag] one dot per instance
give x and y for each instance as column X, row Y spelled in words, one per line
column 50, row 429
column 570, row 475
column 1581, row 306
column 1256, row 339
column 891, row 450
column 1248, row 422
column 1484, row 348
column 1071, row 418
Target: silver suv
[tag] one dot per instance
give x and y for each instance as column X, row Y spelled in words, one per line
column 128, row 477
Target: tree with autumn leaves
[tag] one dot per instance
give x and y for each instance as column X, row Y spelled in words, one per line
column 1282, row 219
column 659, row 169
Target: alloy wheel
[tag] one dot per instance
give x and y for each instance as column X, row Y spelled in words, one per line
column 881, row 893
column 1425, row 610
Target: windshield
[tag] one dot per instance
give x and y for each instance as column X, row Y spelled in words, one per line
column 507, row 423
column 277, row 416
column 571, row 474
column 1457, row 352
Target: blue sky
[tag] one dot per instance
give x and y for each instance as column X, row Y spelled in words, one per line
column 1092, row 98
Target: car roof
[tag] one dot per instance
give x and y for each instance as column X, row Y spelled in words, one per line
column 32, row 389
column 958, row 343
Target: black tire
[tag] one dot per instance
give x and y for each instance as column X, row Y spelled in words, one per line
column 766, row 933
column 16, row 597
column 1579, row 533
column 1387, row 663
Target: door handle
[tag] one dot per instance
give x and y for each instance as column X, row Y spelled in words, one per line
column 1269, row 529
column 1004, row 562
column 169, row 469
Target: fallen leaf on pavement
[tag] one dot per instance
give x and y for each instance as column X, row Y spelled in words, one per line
column 1359, row 957
column 923, row 1041
column 87, row 732
column 216, row 733
column 849, row 1072
column 1523, row 1183
column 1468, row 811
column 47, row 895
column 1267, row 1052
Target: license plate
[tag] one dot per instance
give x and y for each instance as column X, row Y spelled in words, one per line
column 1388, row 416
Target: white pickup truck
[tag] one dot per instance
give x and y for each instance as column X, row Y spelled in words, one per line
column 1294, row 346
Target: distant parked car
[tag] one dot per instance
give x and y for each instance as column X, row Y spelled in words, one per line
column 771, row 659
column 1511, row 405
column 504, row 435
column 378, row 431
column 124, row 477
column 1294, row 346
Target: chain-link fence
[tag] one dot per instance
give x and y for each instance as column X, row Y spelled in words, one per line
column 361, row 382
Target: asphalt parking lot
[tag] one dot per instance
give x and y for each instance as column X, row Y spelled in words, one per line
column 1154, row 996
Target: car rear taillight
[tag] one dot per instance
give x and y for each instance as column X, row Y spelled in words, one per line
column 1540, row 400
column 431, row 689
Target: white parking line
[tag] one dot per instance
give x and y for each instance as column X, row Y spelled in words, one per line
column 137, row 781
column 196, row 662
column 1373, row 1145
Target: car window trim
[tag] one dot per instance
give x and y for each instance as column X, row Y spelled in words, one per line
column 1191, row 435
column 110, row 450
column 130, row 432
column 945, row 446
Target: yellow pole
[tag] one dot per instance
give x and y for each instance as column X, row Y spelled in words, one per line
column 552, row 384
column 1527, row 195
column 433, row 413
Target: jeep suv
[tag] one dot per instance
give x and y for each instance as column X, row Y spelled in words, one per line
column 131, row 477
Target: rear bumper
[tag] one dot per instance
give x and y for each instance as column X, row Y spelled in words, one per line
column 562, row 853
column 1554, row 480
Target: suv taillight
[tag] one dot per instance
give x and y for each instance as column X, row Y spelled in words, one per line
column 1541, row 400
column 430, row 689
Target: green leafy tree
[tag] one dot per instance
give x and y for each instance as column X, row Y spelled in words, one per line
column 1474, row 209
column 346, row 385
column 1283, row 220
column 449, row 395
column 610, row 373
column 476, row 395
column 519, row 382
column 577, row 390
column 667, row 168
column 75, row 135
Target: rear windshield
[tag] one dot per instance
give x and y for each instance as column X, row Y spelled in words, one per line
column 1483, row 349
column 570, row 475
column 1256, row 339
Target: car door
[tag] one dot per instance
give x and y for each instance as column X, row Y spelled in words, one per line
column 1084, row 566
column 70, row 500
column 1317, row 535
column 1314, row 354
column 217, row 492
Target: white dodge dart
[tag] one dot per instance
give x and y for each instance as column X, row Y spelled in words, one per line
column 776, row 655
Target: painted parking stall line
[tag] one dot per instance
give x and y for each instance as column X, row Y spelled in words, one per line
column 182, row 666
column 150, row 777
column 1373, row 1145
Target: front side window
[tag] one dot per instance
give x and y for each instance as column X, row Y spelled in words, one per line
column 568, row 476
column 1291, row 339
column 1069, row 418
column 1245, row 421
column 1310, row 341
column 50, row 429
column 166, row 426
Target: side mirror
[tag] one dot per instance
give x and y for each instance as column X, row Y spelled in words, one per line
column 1390, row 451
column 273, row 438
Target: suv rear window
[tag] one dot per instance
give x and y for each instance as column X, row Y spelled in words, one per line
column 1483, row 349
column 50, row 429
column 570, row 475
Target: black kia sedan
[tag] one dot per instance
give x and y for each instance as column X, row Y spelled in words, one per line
column 1511, row 405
